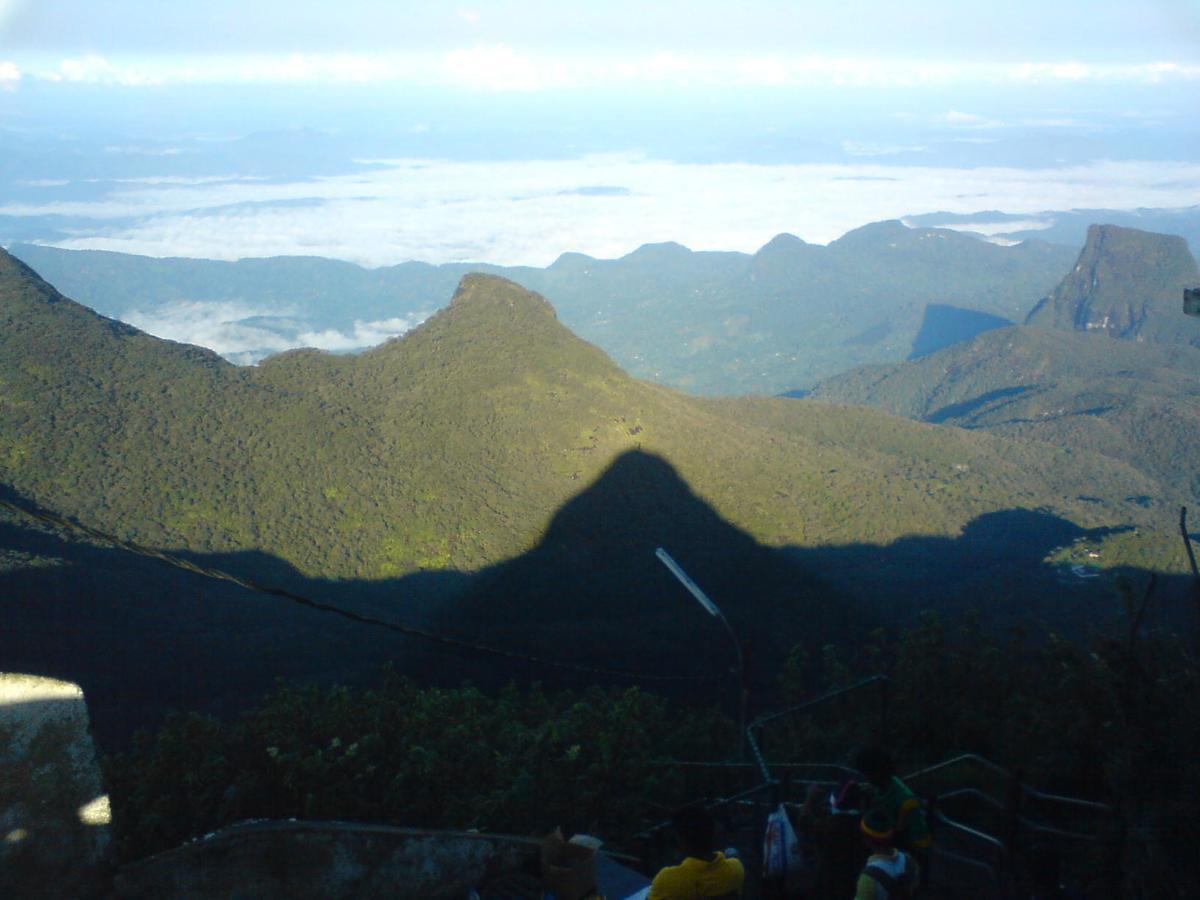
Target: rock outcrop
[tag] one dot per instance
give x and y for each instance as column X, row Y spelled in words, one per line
column 54, row 815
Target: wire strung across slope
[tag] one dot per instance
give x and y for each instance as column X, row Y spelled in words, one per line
column 249, row 584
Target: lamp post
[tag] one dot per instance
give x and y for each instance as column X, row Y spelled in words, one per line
column 713, row 610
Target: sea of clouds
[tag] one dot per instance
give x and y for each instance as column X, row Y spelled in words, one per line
column 245, row 333
column 530, row 211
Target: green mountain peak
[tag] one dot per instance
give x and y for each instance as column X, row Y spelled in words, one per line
column 495, row 332
column 1126, row 283
column 493, row 291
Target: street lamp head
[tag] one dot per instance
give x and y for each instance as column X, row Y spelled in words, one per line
column 693, row 588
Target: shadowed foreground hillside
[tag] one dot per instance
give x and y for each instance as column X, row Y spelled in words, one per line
column 143, row 637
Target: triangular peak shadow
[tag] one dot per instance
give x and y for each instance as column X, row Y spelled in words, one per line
column 595, row 583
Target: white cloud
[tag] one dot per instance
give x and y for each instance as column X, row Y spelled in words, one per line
column 1057, row 123
column 959, row 119
column 95, row 69
column 215, row 325
column 221, row 326
column 497, row 67
column 1151, row 72
column 872, row 148
column 10, row 75
column 442, row 211
column 345, row 68
column 990, row 227
column 502, row 67
column 364, row 334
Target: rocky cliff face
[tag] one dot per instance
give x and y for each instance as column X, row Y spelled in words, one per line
column 1128, row 284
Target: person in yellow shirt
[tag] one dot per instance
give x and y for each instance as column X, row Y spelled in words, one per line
column 704, row 874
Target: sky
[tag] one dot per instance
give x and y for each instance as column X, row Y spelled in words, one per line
column 511, row 132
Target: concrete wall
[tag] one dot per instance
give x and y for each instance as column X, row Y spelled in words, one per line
column 54, row 816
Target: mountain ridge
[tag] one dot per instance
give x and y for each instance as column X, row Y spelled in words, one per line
column 707, row 322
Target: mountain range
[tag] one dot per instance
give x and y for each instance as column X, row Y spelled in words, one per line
column 706, row 322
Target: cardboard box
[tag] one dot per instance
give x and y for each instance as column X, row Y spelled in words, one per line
column 568, row 867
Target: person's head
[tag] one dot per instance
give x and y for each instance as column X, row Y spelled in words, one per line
column 695, row 828
column 878, row 831
column 875, row 763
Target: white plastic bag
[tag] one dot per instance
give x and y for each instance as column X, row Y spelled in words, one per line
column 782, row 855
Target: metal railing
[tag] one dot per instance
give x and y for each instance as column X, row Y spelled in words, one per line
column 968, row 845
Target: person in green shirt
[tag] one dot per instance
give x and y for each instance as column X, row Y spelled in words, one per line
column 893, row 801
column 704, row 874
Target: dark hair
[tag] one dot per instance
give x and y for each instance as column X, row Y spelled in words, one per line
column 695, row 827
column 875, row 763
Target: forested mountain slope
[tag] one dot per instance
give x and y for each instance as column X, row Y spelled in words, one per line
column 450, row 447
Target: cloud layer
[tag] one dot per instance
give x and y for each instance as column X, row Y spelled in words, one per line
column 502, row 67
column 528, row 212
column 238, row 330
